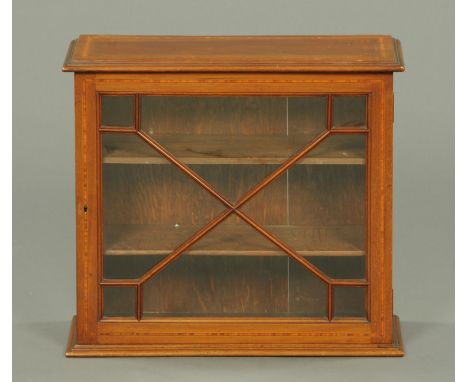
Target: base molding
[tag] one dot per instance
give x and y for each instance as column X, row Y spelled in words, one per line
column 372, row 350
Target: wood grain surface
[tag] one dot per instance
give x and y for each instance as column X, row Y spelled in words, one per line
column 220, row 149
column 233, row 240
column 119, row 53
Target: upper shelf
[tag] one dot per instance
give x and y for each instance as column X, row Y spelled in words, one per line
column 119, row 53
column 203, row 149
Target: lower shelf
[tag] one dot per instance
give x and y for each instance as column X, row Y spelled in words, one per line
column 395, row 349
column 152, row 239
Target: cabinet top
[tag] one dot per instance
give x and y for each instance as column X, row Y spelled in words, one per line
column 119, row 53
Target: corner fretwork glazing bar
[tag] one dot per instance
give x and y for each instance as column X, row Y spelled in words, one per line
column 139, row 302
column 120, row 130
column 330, row 302
column 348, row 131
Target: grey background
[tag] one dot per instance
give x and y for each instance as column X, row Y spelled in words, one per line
column 43, row 180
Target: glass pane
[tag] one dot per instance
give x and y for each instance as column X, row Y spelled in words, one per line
column 317, row 207
column 117, row 111
column 341, row 267
column 338, row 149
column 242, row 138
column 321, row 213
column 349, row 301
column 349, row 112
column 129, row 266
column 234, row 271
column 119, row 301
column 150, row 207
column 307, row 293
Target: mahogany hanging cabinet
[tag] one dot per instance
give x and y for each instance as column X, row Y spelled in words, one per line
column 234, row 195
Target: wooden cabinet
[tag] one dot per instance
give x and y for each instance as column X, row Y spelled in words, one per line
column 234, row 195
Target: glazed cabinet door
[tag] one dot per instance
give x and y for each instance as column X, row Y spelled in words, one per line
column 228, row 205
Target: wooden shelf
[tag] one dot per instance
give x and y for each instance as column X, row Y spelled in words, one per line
column 220, row 149
column 233, row 239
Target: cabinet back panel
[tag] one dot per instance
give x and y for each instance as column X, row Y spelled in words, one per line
column 213, row 115
column 162, row 194
column 327, row 195
column 234, row 115
column 154, row 195
column 234, row 285
column 318, row 195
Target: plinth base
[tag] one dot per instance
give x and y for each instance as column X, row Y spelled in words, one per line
column 372, row 350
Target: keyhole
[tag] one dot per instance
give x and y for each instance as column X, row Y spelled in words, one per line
column 85, row 208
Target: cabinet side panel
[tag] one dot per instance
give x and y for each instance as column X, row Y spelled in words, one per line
column 388, row 254
column 86, row 207
column 380, row 213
